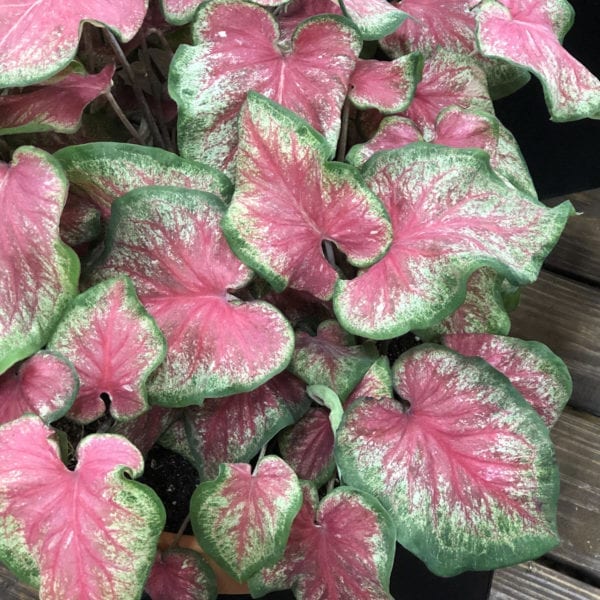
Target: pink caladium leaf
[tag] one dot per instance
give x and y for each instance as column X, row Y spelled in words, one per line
column 296, row 11
column 483, row 310
column 105, row 171
column 451, row 215
column 56, row 106
column 448, row 79
column 300, row 307
column 331, row 358
column 45, row 384
column 540, row 376
column 374, row 18
column 209, row 81
column 289, row 199
column 377, row 383
column 38, row 273
column 144, row 431
column 467, row 472
column 114, row 345
column 233, row 429
column 179, row 12
column 242, row 518
column 27, row 57
column 91, row 532
column 342, row 547
column 80, row 221
column 388, row 86
column 169, row 241
column 529, row 33
column 181, row 574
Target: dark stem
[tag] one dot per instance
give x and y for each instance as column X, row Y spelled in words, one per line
column 157, row 93
column 179, row 533
column 123, row 118
column 341, row 149
column 162, row 39
column 139, row 94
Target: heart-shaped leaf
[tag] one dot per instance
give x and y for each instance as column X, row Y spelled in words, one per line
column 181, row 574
column 483, row 310
column 289, row 199
column 467, row 472
column 209, row 81
column 341, row 548
column 39, row 37
column 374, row 18
column 56, row 106
column 114, row 345
column 451, row 215
column 243, row 518
column 540, row 376
column 169, row 241
column 38, row 273
column 529, row 33
column 388, row 86
column 105, row 171
column 331, row 358
column 233, row 429
column 89, row 533
column 45, row 384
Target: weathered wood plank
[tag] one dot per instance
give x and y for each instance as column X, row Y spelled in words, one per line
column 565, row 315
column 578, row 250
column 12, row 589
column 532, row 581
column 577, row 440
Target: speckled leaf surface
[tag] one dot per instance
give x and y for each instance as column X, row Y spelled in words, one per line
column 451, row 215
column 540, row 376
column 57, row 106
column 80, row 221
column 374, row 18
column 448, row 79
column 483, row 310
column 145, row 430
column 45, row 384
column 529, row 33
column 377, row 382
column 341, row 548
column 91, row 532
column 289, row 199
column 105, row 171
column 331, row 359
column 468, row 472
column 39, row 37
column 181, row 574
column 297, row 11
column 179, row 12
column 114, row 345
column 243, row 518
column 433, row 23
column 169, row 241
column 233, row 429
column 38, row 273
column 209, row 81
column 388, row 86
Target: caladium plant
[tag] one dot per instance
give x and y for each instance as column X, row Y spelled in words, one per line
column 221, row 218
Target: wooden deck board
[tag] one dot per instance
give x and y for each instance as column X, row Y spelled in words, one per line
column 565, row 315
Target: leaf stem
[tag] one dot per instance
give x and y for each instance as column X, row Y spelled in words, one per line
column 123, row 118
column 262, row 453
column 180, row 531
column 162, row 39
column 343, row 141
column 139, row 94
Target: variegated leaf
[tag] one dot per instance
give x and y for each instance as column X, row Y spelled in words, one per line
column 181, row 574
column 114, row 345
column 55, row 106
column 374, row 18
column 289, row 199
column 468, row 471
column 39, row 37
column 38, row 273
column 233, row 429
column 451, row 215
column 105, row 171
column 243, row 518
column 529, row 33
column 45, row 384
column 540, row 376
column 210, row 81
column 296, row 11
column 341, row 548
column 89, row 533
column 169, row 241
